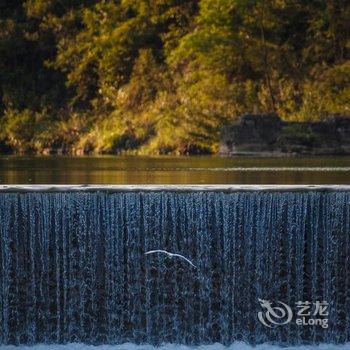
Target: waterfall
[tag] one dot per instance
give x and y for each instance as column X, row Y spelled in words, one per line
column 73, row 268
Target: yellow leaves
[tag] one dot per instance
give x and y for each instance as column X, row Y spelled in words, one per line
column 37, row 8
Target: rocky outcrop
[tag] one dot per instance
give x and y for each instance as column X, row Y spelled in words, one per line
column 268, row 134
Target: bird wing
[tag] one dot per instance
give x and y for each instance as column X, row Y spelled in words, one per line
column 182, row 257
column 156, row 251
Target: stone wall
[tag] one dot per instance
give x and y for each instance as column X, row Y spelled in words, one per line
column 268, row 134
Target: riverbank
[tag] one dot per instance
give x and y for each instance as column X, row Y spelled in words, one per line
column 258, row 135
column 270, row 135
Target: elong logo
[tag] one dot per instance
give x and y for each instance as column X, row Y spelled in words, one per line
column 282, row 314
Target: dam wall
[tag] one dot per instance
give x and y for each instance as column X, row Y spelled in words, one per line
column 73, row 266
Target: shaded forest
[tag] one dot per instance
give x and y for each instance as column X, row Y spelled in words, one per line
column 162, row 76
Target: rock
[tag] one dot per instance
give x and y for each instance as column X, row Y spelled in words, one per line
column 268, row 134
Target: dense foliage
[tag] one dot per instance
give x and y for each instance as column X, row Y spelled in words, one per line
column 162, row 76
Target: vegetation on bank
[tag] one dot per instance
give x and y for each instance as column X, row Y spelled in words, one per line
column 162, row 76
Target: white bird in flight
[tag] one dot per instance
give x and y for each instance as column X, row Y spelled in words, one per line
column 171, row 255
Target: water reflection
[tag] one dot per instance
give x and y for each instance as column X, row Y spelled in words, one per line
column 176, row 170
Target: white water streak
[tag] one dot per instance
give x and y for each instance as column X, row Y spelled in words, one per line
column 274, row 169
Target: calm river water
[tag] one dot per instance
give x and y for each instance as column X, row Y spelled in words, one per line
column 174, row 170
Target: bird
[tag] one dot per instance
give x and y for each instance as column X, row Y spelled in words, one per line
column 171, row 255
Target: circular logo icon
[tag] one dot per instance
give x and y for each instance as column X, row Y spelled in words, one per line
column 274, row 315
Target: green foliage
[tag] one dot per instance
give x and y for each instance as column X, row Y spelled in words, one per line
column 20, row 128
column 162, row 76
column 298, row 134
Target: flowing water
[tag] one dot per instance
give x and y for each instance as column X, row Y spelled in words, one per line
column 73, row 268
column 131, row 346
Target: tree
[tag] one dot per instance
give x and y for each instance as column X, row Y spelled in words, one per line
column 163, row 76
